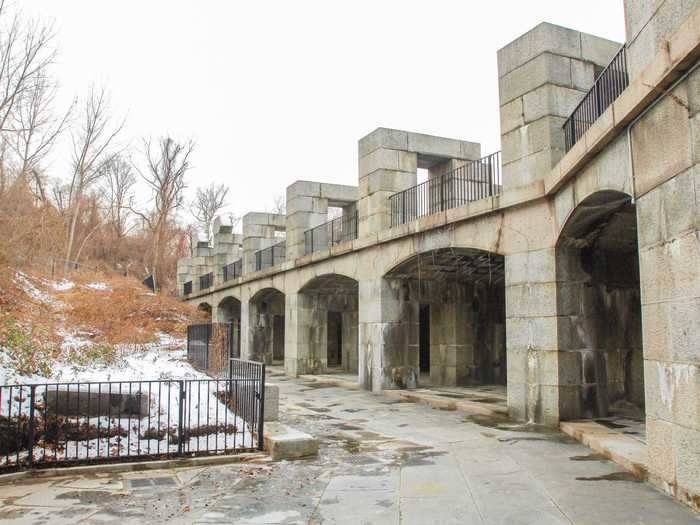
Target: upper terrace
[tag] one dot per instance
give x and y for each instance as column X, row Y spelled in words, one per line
column 564, row 95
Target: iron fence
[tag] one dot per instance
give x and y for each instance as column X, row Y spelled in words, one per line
column 233, row 270
column 206, row 281
column 475, row 180
column 270, row 256
column 211, row 345
column 336, row 231
column 611, row 82
column 56, row 424
column 187, row 288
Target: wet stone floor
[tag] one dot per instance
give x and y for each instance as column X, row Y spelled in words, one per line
column 381, row 461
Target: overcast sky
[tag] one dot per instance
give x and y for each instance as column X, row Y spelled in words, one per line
column 273, row 92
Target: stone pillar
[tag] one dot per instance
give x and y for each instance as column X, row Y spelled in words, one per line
column 451, row 342
column 246, row 330
column 306, row 209
column 385, row 167
column 350, row 341
column 258, row 233
column 388, row 163
column 668, row 215
column 538, row 388
column 299, row 312
column 388, row 332
column 542, row 77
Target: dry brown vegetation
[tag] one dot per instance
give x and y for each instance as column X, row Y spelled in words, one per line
column 34, row 317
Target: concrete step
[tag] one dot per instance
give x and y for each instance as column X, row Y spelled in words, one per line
column 630, row 453
column 283, row 442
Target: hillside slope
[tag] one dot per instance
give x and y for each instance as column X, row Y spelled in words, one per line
column 67, row 329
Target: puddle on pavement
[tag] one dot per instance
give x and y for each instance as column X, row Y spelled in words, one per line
column 615, row 476
column 91, row 497
column 316, row 385
column 453, row 396
column 353, row 410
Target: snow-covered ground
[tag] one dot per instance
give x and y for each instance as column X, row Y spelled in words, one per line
column 154, row 372
column 157, row 371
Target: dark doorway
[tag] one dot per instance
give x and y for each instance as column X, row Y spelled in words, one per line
column 278, row 338
column 424, row 338
column 335, row 339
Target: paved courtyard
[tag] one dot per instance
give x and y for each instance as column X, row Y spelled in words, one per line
column 381, row 461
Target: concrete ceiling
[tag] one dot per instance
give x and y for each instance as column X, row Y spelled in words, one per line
column 457, row 264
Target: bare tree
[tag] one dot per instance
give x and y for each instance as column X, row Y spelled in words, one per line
column 91, row 143
column 118, row 191
column 165, row 176
column 36, row 130
column 26, row 50
column 208, row 202
column 279, row 205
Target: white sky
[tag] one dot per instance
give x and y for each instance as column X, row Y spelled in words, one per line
column 277, row 91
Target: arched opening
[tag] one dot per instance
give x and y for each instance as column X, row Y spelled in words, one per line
column 598, row 300
column 331, row 324
column 267, row 326
column 454, row 299
column 205, row 311
column 229, row 313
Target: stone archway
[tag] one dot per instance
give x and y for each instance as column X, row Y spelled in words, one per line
column 328, row 324
column 451, row 326
column 599, row 308
column 266, row 326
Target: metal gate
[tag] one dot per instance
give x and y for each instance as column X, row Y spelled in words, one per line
column 56, row 424
column 211, row 345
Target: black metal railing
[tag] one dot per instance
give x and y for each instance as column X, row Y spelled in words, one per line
column 611, row 82
column 233, row 270
column 211, row 345
column 475, row 180
column 206, row 281
column 56, row 424
column 340, row 229
column 270, row 256
column 187, row 288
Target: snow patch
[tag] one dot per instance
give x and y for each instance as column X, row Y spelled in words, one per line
column 63, row 285
column 97, row 286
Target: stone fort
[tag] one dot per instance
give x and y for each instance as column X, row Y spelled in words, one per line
column 564, row 269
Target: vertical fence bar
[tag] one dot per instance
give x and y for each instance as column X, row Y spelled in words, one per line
column 261, row 412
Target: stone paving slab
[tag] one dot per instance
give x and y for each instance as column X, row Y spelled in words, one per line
column 380, row 461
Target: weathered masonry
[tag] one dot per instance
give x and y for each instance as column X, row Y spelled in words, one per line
column 565, row 269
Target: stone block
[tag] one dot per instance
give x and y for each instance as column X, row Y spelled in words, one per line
column 283, row 442
column 530, row 267
column 303, row 188
column 381, row 158
column 686, row 446
column 435, row 146
column 512, row 115
column 339, row 194
column 598, row 50
column 531, row 299
column 668, row 211
column 531, row 333
column 662, row 461
column 383, row 138
column 549, row 100
column 545, row 133
column 544, row 37
column 583, row 75
column 668, row 271
column 529, row 169
column 547, row 68
column 91, row 403
column 661, row 142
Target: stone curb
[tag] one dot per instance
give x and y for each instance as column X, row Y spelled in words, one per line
column 245, row 457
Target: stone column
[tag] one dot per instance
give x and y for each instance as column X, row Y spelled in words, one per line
column 299, row 318
column 542, row 77
column 666, row 147
column 306, row 209
column 540, row 384
column 385, row 167
column 388, row 332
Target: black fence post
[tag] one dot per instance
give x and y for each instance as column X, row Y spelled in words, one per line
column 181, row 418
column 30, row 439
column 261, row 414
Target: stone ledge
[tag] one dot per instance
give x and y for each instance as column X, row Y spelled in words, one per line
column 283, row 442
column 629, row 453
